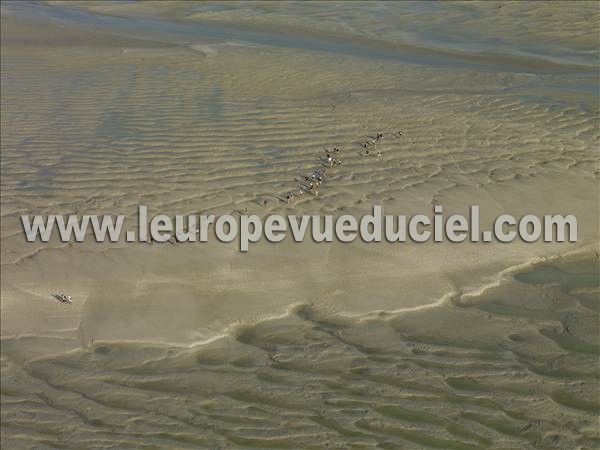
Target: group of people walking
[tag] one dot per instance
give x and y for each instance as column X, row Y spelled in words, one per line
column 310, row 184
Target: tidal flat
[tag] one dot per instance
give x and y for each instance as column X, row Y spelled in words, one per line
column 222, row 108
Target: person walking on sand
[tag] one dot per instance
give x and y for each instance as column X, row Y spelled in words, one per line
column 330, row 160
column 63, row 298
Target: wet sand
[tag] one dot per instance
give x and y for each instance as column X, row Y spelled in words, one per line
column 515, row 366
column 214, row 108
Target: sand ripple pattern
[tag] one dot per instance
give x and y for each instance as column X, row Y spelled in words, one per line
column 179, row 136
column 517, row 368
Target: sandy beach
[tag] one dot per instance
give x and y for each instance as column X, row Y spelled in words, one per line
column 222, row 108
